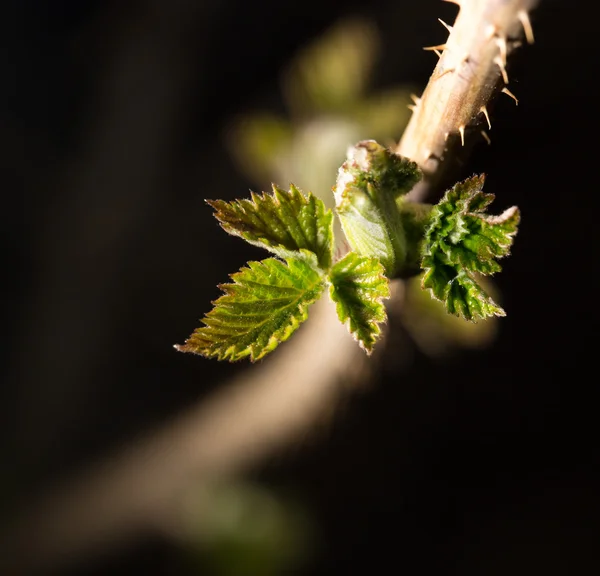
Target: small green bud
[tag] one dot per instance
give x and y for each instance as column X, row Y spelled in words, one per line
column 368, row 184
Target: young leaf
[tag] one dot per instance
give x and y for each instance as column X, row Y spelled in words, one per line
column 458, row 290
column 463, row 240
column 368, row 184
column 283, row 222
column 263, row 306
column 358, row 286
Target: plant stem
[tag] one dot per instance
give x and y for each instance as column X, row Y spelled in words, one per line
column 470, row 71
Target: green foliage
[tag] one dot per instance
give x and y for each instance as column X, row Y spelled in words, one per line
column 264, row 306
column 452, row 242
column 462, row 241
column 284, row 222
column 358, row 287
column 328, row 103
column 268, row 301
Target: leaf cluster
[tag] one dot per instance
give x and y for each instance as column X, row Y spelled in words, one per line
column 452, row 243
column 268, row 300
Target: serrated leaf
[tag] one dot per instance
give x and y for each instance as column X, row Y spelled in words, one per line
column 458, row 291
column 435, row 331
column 463, row 240
column 358, row 287
column 283, row 222
column 264, row 305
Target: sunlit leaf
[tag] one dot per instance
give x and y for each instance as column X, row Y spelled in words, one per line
column 283, row 222
column 263, row 307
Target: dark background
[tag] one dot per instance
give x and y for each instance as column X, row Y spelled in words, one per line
column 111, row 137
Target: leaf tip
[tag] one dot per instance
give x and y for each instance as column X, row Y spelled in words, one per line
column 499, row 312
column 187, row 348
column 512, row 215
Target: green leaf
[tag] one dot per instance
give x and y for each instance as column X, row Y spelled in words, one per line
column 461, row 241
column 263, row 307
column 459, row 291
column 358, row 286
column 368, row 185
column 283, row 222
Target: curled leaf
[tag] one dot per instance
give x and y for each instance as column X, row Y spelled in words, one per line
column 461, row 241
column 368, row 185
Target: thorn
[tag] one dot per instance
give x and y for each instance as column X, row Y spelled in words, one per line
column 446, row 135
column 509, row 93
column 438, row 53
column 526, row 23
column 449, row 71
column 483, row 109
column 446, row 26
column 435, row 48
column 415, row 99
column 461, row 130
column 501, row 43
column 411, row 107
column 486, row 137
column 498, row 61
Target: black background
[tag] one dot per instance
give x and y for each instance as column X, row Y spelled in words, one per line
column 476, row 464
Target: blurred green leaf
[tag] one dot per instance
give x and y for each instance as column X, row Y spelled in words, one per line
column 383, row 115
column 332, row 72
column 238, row 528
column 256, row 141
